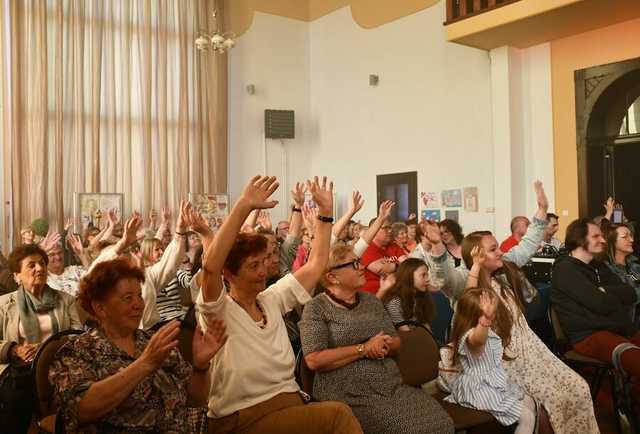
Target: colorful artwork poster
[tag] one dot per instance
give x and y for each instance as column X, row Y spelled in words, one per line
column 431, row 214
column 213, row 207
column 470, row 199
column 430, row 199
column 92, row 208
column 452, row 198
column 452, row 214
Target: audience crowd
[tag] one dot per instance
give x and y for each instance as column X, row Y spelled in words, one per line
column 265, row 301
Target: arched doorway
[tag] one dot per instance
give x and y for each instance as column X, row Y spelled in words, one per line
column 608, row 137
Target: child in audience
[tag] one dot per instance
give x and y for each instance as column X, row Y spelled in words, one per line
column 484, row 383
column 409, row 299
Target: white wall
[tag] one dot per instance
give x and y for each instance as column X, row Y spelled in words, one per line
column 522, row 130
column 459, row 116
column 430, row 113
column 274, row 56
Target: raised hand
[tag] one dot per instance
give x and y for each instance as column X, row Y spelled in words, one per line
column 385, row 209
column 49, row 241
column 75, row 243
column 196, row 222
column 356, row 202
column 432, row 232
column 322, row 194
column 113, row 217
column 609, row 206
column 488, row 304
column 165, row 216
column 264, row 220
column 412, row 216
column 309, row 217
column 258, row 191
column 181, row 222
column 153, row 218
column 131, row 227
column 160, row 345
column 541, row 196
column 68, row 224
column 478, row 255
column 297, row 194
column 206, row 345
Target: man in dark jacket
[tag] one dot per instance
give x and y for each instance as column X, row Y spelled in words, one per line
column 594, row 306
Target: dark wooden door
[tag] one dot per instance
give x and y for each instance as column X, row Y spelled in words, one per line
column 402, row 188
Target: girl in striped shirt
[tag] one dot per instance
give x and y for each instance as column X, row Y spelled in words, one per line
column 481, row 331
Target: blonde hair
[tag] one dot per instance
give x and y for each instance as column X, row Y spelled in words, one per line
column 146, row 249
column 337, row 255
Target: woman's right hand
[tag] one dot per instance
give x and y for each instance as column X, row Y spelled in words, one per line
column 24, row 352
column 258, row 191
column 488, row 304
column 376, row 347
column 160, row 345
column 478, row 255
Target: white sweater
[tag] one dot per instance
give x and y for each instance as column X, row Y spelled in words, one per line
column 156, row 277
column 255, row 364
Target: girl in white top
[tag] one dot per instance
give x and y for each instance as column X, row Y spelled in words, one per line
column 253, row 374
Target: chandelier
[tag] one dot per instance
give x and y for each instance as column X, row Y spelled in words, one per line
column 219, row 41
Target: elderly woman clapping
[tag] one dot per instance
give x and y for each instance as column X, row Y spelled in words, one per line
column 116, row 377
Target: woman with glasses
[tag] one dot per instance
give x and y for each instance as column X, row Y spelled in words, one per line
column 348, row 338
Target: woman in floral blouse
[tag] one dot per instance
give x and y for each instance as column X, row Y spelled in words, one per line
column 117, row 378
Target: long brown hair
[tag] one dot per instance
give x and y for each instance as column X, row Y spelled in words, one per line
column 413, row 302
column 467, row 314
column 511, row 270
column 612, row 237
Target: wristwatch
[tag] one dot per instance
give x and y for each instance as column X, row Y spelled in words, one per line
column 360, row 348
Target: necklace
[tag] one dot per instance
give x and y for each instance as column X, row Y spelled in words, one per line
column 341, row 302
column 263, row 321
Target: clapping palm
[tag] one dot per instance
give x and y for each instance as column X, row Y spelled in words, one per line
column 206, row 345
column 297, row 194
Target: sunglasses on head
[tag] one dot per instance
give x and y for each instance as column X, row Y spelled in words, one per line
column 355, row 264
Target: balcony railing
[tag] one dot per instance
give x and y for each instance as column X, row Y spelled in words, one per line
column 460, row 9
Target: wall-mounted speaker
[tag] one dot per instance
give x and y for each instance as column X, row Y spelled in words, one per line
column 279, row 124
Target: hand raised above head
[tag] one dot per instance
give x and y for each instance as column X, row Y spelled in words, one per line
column 297, row 194
column 541, row 196
column 479, row 256
column 131, row 227
column 356, row 202
column 385, row 209
column 322, row 194
column 488, row 304
column 257, row 192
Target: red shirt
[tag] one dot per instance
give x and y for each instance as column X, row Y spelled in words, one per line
column 372, row 254
column 508, row 244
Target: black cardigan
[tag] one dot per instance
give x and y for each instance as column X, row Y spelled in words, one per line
column 589, row 298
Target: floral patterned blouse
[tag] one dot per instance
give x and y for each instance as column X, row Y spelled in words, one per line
column 157, row 404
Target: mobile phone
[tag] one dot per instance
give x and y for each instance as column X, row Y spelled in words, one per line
column 617, row 216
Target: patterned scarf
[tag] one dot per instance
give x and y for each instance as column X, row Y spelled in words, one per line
column 29, row 307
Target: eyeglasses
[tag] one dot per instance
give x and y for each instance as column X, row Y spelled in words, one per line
column 355, row 264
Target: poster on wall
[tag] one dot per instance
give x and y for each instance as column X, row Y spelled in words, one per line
column 452, row 214
column 470, row 199
column 452, row 198
column 92, row 208
column 430, row 199
column 431, row 214
column 213, row 207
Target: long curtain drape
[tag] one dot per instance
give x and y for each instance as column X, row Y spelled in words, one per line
column 108, row 96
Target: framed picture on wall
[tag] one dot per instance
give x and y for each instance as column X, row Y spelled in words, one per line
column 92, row 208
column 213, row 207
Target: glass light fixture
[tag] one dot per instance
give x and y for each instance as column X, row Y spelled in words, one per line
column 218, row 41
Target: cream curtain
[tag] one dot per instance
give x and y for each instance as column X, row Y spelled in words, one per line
column 108, row 96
